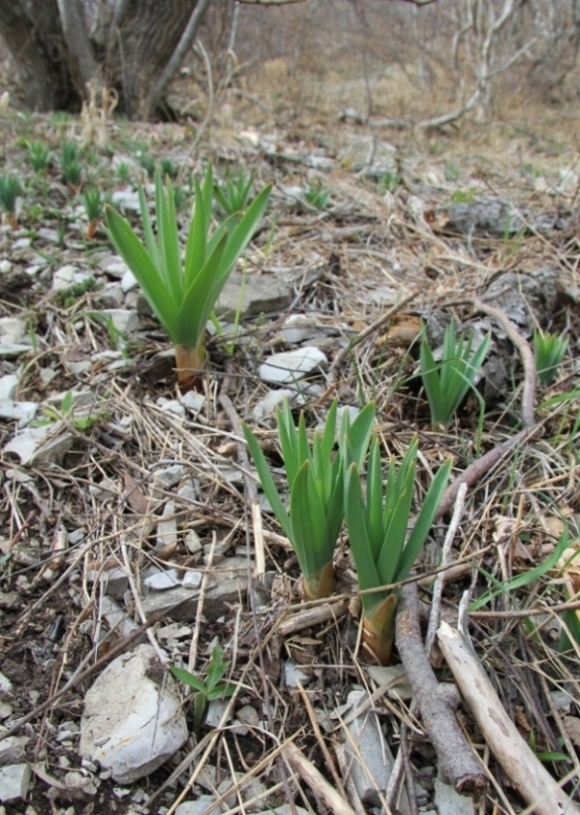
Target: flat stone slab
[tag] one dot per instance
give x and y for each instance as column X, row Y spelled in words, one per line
column 290, row 366
column 252, row 296
column 133, row 720
column 14, row 782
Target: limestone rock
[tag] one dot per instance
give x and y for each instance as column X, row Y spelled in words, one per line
column 133, row 721
column 289, row 366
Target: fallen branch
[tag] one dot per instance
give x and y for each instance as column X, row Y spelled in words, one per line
column 458, row 765
column 316, row 781
column 528, row 361
column 533, row 781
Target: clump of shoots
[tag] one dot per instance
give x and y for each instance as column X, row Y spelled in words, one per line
column 39, row 156
column 10, row 190
column 148, row 163
column 233, row 193
column 447, row 381
column 124, row 173
column 315, row 478
column 93, row 203
column 182, row 289
column 317, row 196
column 388, row 182
column 70, row 163
column 179, row 197
column 549, row 351
column 383, row 550
column 204, row 692
column 168, row 167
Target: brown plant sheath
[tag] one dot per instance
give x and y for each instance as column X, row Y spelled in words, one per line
column 189, row 364
column 319, row 585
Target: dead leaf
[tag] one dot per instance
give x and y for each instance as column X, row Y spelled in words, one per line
column 572, row 728
column 134, row 496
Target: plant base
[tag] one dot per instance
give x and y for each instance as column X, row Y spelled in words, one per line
column 379, row 631
column 319, row 585
column 190, row 363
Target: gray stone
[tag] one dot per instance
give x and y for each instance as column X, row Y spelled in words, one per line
column 162, row 580
column 192, row 579
column 248, row 790
column 285, row 809
column 14, row 782
column 167, row 527
column 8, row 385
column 487, row 216
column 12, row 329
column 117, row 617
column 215, row 713
column 23, row 412
column 198, row 807
column 301, row 327
column 169, row 476
column 293, row 675
column 179, row 604
column 266, row 407
column 290, row 366
column 128, row 281
column 192, row 542
column 110, row 297
column 133, row 720
column 64, row 278
column 13, row 749
column 47, row 444
column 394, row 678
column 125, row 320
column 450, row 802
column 261, row 294
column 172, row 406
column 367, row 753
column 193, row 401
column 126, row 199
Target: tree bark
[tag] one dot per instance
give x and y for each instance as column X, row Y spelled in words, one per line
column 134, row 48
column 142, row 47
column 34, row 36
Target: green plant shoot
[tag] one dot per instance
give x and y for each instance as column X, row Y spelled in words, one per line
column 383, row 551
column 182, row 291
column 93, row 203
column 315, row 480
column 213, row 687
column 549, row 350
column 446, row 382
column 233, row 193
column 10, row 190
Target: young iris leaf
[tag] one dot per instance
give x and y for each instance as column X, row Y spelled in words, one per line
column 183, row 291
column 213, row 688
column 10, row 190
column 383, row 551
column 316, row 484
column 549, row 350
column 446, row 382
column 233, row 193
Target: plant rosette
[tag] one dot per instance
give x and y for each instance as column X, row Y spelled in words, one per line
column 183, row 291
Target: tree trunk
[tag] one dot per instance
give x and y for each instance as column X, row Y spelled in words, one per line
column 129, row 49
column 141, row 48
column 33, row 33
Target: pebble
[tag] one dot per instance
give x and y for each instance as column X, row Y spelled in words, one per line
column 162, row 580
column 14, row 782
column 290, row 366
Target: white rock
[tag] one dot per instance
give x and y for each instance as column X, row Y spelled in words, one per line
column 126, row 199
column 162, row 580
column 197, row 807
column 111, row 296
column 300, row 327
column 193, row 401
column 266, row 407
column 128, row 281
column 117, row 618
column 12, row 329
column 450, row 802
column 169, row 476
column 80, row 783
column 5, row 266
column 215, row 713
column 132, row 724
column 5, row 684
column 23, row 412
column 13, row 749
column 167, row 527
column 64, row 278
column 172, row 406
column 14, row 781
column 124, row 320
column 8, row 385
column 290, row 366
column 293, row 675
column 40, row 444
column 192, row 580
column 193, row 543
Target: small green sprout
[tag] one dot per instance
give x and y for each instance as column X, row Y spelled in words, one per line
column 549, row 351
column 148, row 163
column 233, row 193
column 70, row 163
column 182, row 291
column 388, row 182
column 179, row 197
column 10, row 190
column 317, row 196
column 124, row 173
column 315, row 478
column 213, row 687
column 446, row 382
column 168, row 168
column 383, row 550
column 39, row 155
column 93, row 203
